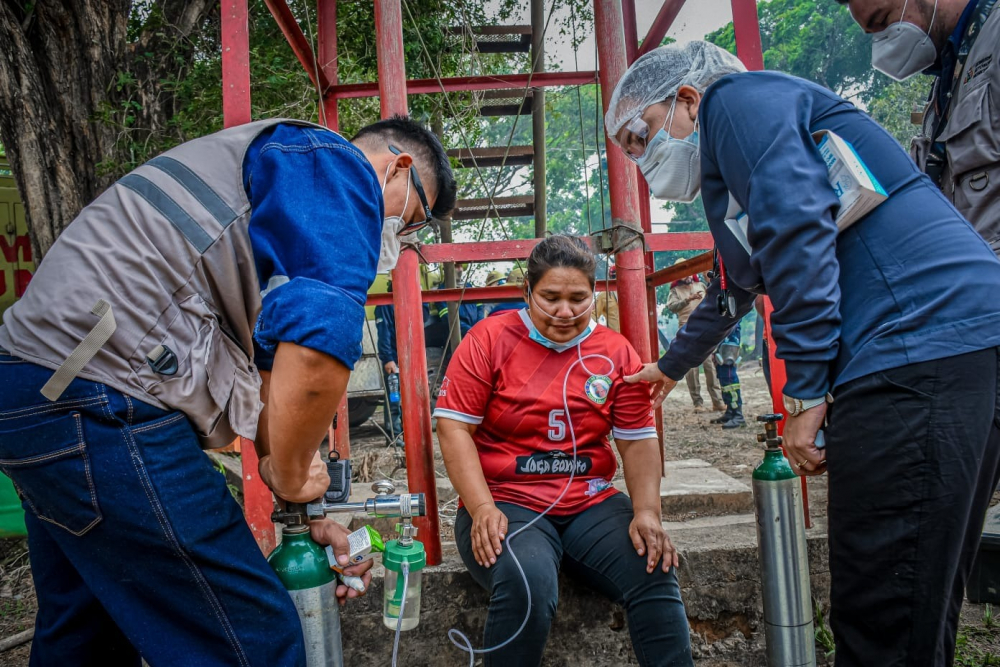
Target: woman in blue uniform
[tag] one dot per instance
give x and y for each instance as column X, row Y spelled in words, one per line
column 889, row 329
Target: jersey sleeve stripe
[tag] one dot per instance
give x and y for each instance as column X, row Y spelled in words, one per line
column 633, row 433
column 458, row 416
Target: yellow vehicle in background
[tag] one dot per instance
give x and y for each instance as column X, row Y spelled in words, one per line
column 16, row 268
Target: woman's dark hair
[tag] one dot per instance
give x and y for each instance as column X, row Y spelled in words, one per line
column 561, row 251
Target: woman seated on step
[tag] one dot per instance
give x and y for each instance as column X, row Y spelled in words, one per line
column 523, row 417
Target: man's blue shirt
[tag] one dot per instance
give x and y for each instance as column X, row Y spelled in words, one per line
column 909, row 282
column 315, row 230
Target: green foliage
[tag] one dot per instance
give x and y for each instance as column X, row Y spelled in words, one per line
column 824, row 636
column 892, row 108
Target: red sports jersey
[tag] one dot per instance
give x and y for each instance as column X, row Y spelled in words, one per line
column 512, row 388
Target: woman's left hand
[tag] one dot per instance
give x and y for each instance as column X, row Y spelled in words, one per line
column 650, row 540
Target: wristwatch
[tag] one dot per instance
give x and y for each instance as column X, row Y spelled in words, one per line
column 796, row 406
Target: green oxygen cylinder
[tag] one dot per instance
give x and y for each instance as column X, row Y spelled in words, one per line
column 303, row 567
column 399, row 588
column 784, row 560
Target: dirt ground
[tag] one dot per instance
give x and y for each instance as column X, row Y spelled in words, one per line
column 687, row 435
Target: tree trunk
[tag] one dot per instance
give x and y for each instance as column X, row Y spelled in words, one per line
column 69, row 72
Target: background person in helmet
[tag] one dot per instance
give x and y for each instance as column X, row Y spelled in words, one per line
column 249, row 249
column 896, row 317
column 684, row 296
column 514, row 277
column 606, row 305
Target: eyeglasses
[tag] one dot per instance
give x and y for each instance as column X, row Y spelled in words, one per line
column 414, row 226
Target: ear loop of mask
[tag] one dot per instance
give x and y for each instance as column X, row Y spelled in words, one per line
column 406, row 202
column 586, row 311
column 933, row 15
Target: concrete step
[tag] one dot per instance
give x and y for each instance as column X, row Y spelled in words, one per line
column 692, row 488
column 719, row 579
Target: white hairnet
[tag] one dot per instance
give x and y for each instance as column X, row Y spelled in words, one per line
column 658, row 75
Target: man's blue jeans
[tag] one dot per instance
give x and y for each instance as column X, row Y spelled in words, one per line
column 136, row 545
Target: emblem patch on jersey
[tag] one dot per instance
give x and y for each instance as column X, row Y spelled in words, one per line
column 443, row 389
column 597, row 388
column 595, row 486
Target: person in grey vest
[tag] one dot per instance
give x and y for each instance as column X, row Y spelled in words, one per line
column 957, row 42
column 216, row 291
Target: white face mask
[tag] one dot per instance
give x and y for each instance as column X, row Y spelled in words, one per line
column 903, row 49
column 672, row 167
column 391, row 243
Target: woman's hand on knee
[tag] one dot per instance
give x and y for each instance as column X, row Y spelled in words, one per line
column 651, row 541
column 489, row 528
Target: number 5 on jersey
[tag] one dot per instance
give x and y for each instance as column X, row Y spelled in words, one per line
column 557, row 422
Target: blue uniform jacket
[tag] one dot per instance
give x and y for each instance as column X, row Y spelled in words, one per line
column 315, row 231
column 385, row 326
column 910, row 282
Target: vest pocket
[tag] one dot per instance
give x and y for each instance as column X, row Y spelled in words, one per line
column 50, row 467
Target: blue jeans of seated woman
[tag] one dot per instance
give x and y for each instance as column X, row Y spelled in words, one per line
column 136, row 545
column 594, row 547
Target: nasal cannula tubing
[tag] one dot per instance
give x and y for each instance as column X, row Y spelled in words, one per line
column 456, row 636
column 402, row 607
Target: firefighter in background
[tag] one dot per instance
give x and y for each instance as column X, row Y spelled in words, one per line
column 385, row 326
column 685, row 295
column 493, row 279
column 606, row 305
column 514, row 277
column 727, row 358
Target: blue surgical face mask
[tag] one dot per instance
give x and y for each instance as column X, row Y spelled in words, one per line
column 536, row 335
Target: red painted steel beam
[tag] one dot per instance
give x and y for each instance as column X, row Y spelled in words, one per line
column 631, row 31
column 257, row 501
column 392, row 84
column 661, row 24
column 235, row 63
column 415, row 395
column 694, row 265
column 459, row 83
column 421, row 475
column 501, row 251
column 622, row 184
column 326, row 28
column 300, row 45
column 746, row 26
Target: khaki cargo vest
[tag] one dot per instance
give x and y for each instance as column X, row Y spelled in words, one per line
column 971, row 176
column 156, row 280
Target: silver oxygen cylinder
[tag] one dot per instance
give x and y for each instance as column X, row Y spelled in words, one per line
column 784, row 560
column 320, row 617
column 303, row 567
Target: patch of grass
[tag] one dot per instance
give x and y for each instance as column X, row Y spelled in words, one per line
column 824, row 636
column 969, row 645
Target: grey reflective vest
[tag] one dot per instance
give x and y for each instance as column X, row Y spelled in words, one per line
column 152, row 290
column 970, row 174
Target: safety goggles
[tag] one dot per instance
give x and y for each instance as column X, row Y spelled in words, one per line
column 638, row 128
column 415, row 226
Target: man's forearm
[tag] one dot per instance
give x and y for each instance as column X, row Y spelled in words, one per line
column 304, row 391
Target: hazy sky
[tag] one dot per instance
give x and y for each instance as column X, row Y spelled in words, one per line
column 696, row 19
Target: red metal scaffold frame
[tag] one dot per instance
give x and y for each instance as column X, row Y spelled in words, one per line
column 618, row 46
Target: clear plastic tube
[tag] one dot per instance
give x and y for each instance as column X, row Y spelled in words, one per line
column 457, row 637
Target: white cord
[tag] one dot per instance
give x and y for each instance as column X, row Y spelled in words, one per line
column 455, row 635
column 402, row 607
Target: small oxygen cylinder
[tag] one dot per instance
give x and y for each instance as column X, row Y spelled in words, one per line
column 397, row 553
column 304, row 569
column 393, row 386
column 784, row 561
